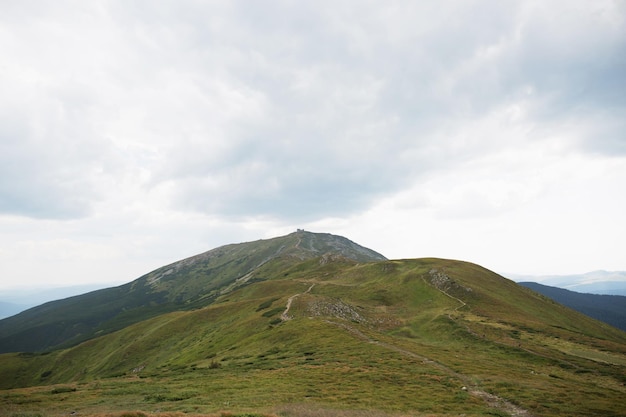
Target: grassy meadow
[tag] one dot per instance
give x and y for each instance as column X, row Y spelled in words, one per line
column 424, row 337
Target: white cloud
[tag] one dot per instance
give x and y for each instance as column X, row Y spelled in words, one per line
column 413, row 127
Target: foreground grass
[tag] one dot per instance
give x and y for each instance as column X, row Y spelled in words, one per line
column 335, row 370
column 339, row 373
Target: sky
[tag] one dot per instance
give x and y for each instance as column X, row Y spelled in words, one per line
column 137, row 133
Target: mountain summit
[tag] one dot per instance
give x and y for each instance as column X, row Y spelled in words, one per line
column 191, row 283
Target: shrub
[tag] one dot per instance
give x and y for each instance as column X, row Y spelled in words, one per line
column 60, row 390
column 266, row 304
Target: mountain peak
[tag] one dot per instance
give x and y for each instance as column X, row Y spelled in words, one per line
column 323, row 243
column 300, row 244
column 190, row 283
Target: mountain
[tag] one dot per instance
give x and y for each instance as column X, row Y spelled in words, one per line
column 595, row 282
column 309, row 327
column 610, row 309
column 13, row 301
column 182, row 285
column 8, row 309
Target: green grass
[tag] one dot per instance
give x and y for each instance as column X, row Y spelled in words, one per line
column 367, row 338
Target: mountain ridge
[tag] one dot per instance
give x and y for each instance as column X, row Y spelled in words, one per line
column 595, row 282
column 190, row 283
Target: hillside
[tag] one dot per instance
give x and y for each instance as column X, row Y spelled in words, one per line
column 610, row 309
column 323, row 334
column 187, row 284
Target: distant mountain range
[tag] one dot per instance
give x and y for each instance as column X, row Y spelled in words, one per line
column 610, row 309
column 13, row 301
column 8, row 309
column 311, row 324
column 596, row 282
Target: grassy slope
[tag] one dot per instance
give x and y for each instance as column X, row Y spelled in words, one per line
column 191, row 283
column 399, row 336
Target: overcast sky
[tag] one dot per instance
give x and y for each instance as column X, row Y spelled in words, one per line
column 137, row 133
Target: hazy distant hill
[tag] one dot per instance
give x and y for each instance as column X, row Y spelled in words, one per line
column 610, row 309
column 314, row 325
column 596, row 282
column 17, row 300
column 9, row 309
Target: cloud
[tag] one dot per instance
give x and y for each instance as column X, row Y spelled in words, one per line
column 147, row 118
column 50, row 157
column 52, row 154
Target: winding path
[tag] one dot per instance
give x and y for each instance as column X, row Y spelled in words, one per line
column 285, row 316
column 492, row 400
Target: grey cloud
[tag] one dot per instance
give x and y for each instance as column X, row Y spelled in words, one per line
column 50, row 155
column 576, row 53
column 300, row 177
column 385, row 86
column 295, row 110
column 47, row 178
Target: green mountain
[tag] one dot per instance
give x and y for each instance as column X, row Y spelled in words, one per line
column 315, row 325
column 188, row 284
column 610, row 309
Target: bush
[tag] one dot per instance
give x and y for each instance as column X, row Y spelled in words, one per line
column 266, row 304
column 60, row 390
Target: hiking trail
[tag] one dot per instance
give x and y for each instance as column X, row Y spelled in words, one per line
column 285, row 315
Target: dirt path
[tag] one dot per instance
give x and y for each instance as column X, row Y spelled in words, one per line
column 464, row 304
column 492, row 400
column 285, row 316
